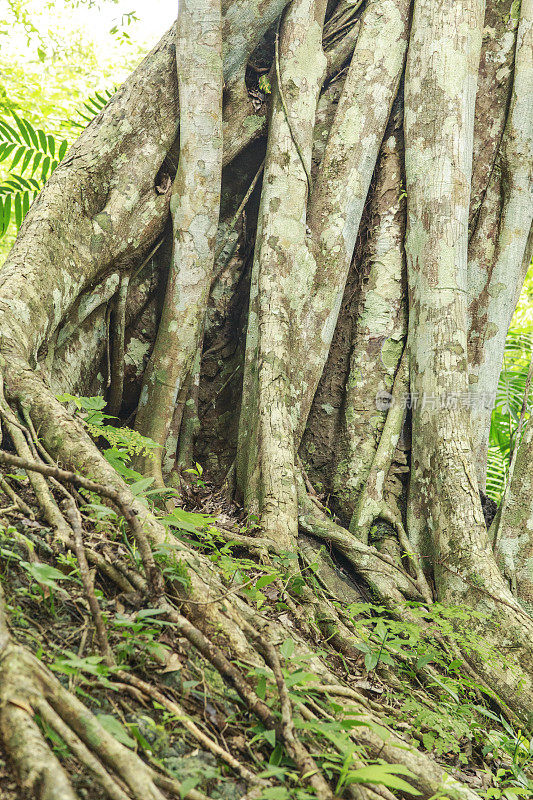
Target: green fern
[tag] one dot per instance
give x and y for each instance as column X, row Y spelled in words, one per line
column 507, row 409
column 92, row 106
column 89, row 411
column 35, row 154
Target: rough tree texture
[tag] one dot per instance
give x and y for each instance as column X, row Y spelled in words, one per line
column 266, row 439
column 325, row 245
column 514, row 543
column 444, row 517
column 194, row 207
column 500, row 253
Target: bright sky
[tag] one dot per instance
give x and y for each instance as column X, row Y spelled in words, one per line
column 155, row 16
column 94, row 18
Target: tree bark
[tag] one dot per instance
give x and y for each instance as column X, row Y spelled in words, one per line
column 276, row 314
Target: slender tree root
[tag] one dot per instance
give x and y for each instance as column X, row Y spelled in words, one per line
column 72, row 713
column 182, row 716
column 151, row 570
column 303, row 759
column 26, row 688
column 116, row 375
column 99, row 624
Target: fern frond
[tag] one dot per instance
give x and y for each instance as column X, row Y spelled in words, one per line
column 33, row 152
column 92, row 107
column 497, row 468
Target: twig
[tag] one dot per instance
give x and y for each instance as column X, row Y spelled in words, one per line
column 234, row 221
column 99, row 624
column 153, row 574
column 184, row 718
column 10, row 492
column 83, row 640
column 150, row 255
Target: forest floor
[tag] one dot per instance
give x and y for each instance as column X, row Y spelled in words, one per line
column 450, row 719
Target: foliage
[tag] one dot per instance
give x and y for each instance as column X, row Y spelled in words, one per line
column 92, row 106
column 337, row 753
column 507, row 409
column 48, row 75
column 125, row 442
column 36, row 154
column 517, row 751
column 455, row 712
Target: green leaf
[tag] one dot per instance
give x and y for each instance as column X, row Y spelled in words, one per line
column 384, row 775
column 26, row 160
column 261, row 687
column 42, row 140
column 22, row 128
column 187, row 520
column 62, row 150
column 139, row 487
column 18, row 155
column 116, row 729
column 8, row 132
column 6, row 213
column 18, row 210
column 51, row 145
column 147, row 613
column 265, row 580
column 287, row 648
column 44, row 574
column 423, row 661
column 371, row 661
column 362, row 646
column 270, row 737
column 31, row 132
column 275, row 793
column 44, row 171
column 36, row 160
column 188, row 784
column 6, row 150
column 264, row 84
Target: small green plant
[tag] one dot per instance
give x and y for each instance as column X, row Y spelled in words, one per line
column 125, row 442
column 444, row 723
column 264, row 84
column 139, row 636
column 513, row 750
column 341, row 759
column 74, row 665
column 197, row 471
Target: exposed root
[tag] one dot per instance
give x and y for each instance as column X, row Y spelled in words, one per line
column 116, row 374
column 151, row 570
column 99, row 624
column 303, row 759
column 27, row 688
column 194, row 730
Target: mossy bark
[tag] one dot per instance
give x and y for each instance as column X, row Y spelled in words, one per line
column 313, row 289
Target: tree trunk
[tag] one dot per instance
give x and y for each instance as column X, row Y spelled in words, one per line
column 322, row 328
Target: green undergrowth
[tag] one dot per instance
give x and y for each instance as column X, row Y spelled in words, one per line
column 422, row 690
